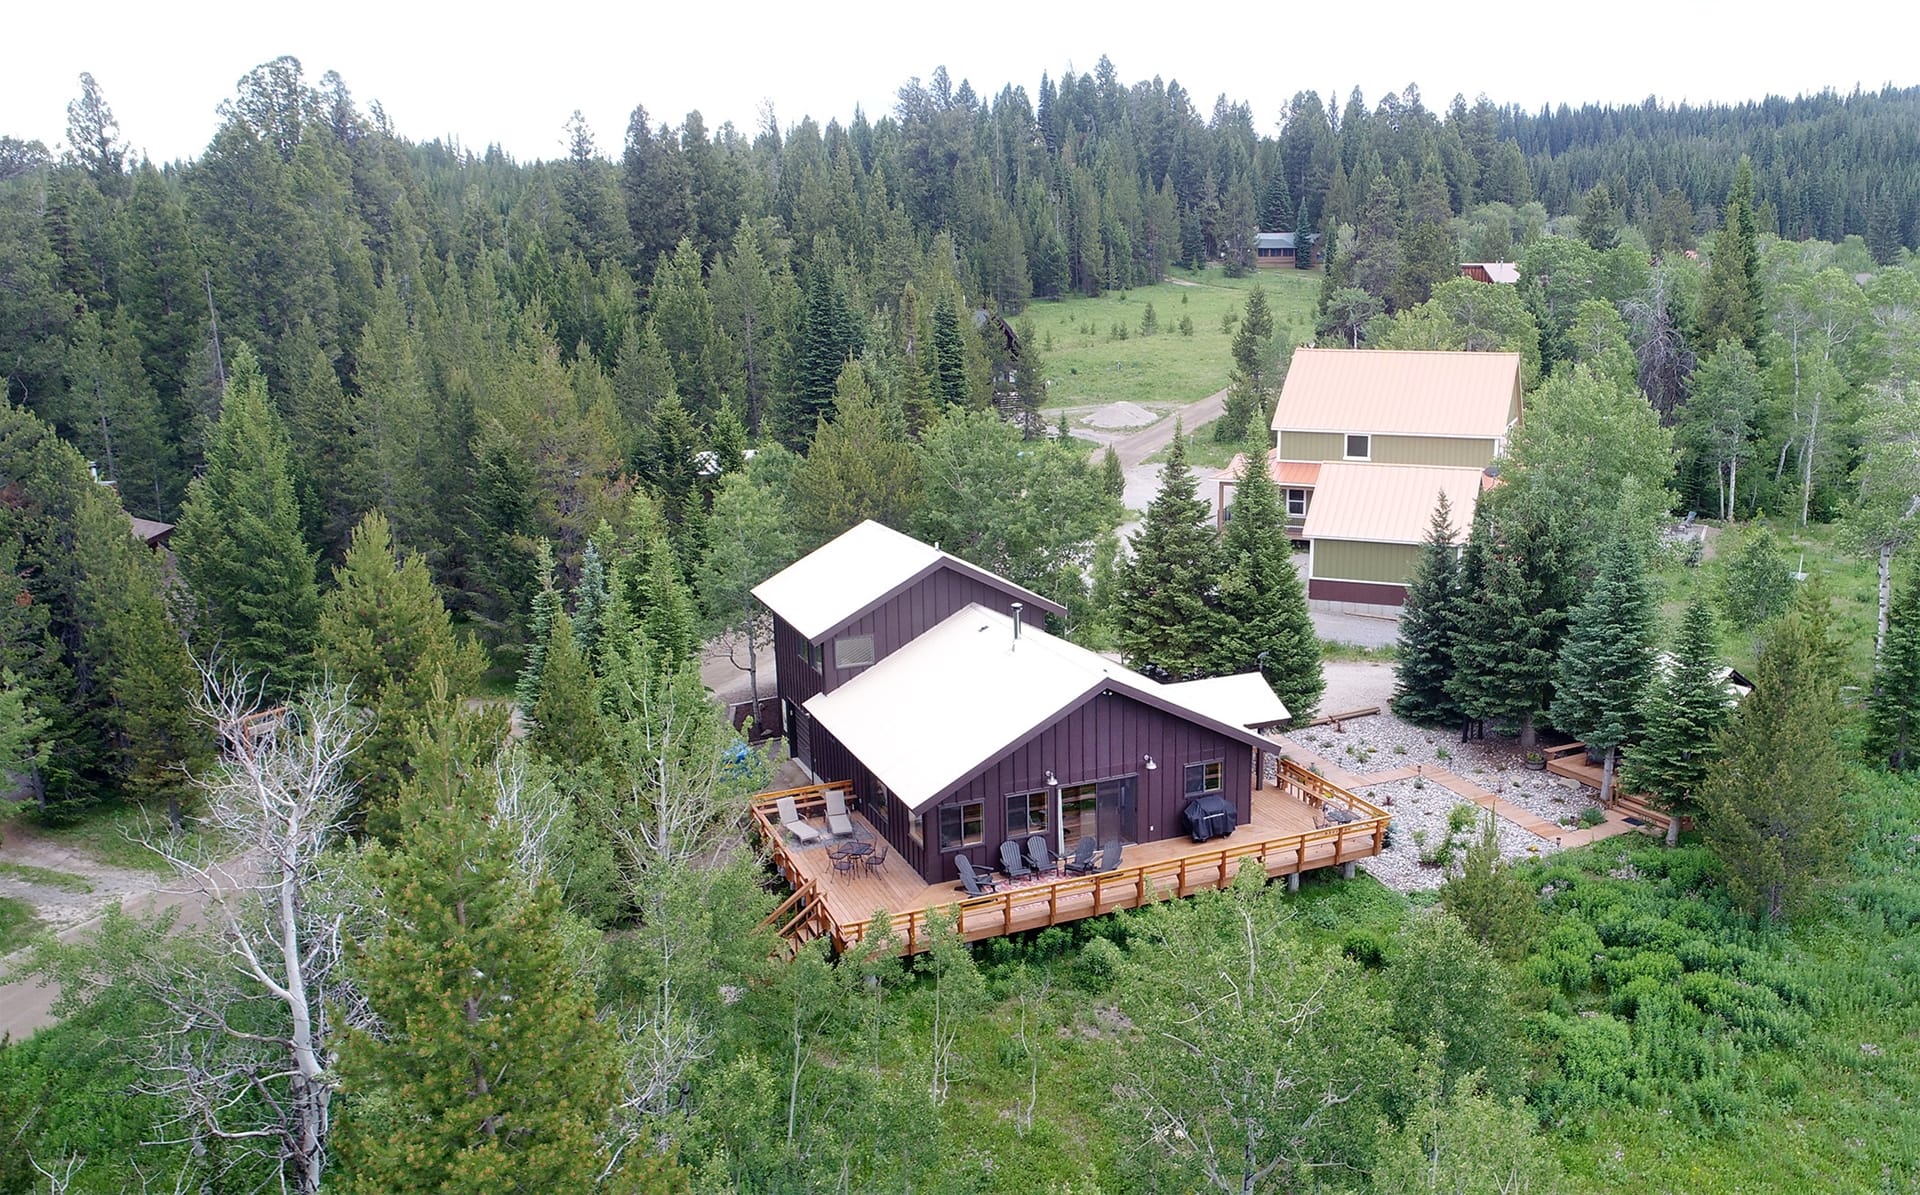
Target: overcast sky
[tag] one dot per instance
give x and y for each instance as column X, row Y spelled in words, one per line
column 511, row 74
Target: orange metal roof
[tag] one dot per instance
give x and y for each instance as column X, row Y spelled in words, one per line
column 1397, row 392
column 1390, row 504
column 1297, row 474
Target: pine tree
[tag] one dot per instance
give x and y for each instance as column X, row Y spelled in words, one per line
column 1429, row 620
column 949, row 357
column 1251, row 391
column 23, row 742
column 1599, row 224
column 384, row 631
column 239, row 539
column 1113, row 478
column 1491, row 897
column 490, row 1070
column 1686, row 707
column 1893, row 712
column 1262, row 609
column 1302, row 238
column 823, row 341
column 1165, row 619
column 1503, row 652
column 566, row 728
column 546, row 606
column 1606, row 658
column 1773, row 798
column 860, row 467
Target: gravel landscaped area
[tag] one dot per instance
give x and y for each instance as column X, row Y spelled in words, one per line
column 1383, row 743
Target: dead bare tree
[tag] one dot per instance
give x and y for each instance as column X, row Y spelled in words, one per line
column 246, row 1050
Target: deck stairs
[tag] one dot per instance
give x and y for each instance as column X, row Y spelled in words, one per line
column 1570, row 760
column 798, row 920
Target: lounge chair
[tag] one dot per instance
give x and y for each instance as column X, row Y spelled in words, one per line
column 977, row 883
column 1038, row 855
column 838, row 823
column 1110, row 856
column 793, row 823
column 1082, row 861
column 1011, row 862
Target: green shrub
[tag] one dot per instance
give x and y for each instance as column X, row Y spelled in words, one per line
column 1098, row 965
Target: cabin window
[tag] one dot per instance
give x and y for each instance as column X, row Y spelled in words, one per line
column 876, row 809
column 964, row 824
column 1203, row 778
column 816, row 656
column 1028, row 813
column 917, row 829
column 1359, row 448
column 855, row 651
column 1296, row 504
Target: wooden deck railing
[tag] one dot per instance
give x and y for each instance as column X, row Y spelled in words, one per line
column 1074, row 897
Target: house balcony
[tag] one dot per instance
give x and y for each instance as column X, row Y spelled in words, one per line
column 1300, row 824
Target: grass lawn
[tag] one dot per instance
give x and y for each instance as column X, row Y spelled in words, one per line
column 45, row 878
column 1849, row 580
column 17, row 924
column 1087, row 365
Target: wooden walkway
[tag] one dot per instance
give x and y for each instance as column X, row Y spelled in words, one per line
column 1290, row 833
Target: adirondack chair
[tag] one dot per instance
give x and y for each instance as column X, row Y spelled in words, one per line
column 1082, row 861
column 1011, row 862
column 1038, row 855
column 977, row 883
column 1110, row 856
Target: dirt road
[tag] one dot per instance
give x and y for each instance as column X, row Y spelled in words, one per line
column 1134, row 447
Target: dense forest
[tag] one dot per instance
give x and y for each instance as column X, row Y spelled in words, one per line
column 471, row 461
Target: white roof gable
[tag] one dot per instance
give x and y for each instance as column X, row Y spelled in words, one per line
column 936, row 711
column 844, row 576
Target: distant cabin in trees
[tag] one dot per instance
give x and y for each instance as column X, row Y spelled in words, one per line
column 1364, row 440
column 1506, row 272
column 1279, row 250
column 151, row 532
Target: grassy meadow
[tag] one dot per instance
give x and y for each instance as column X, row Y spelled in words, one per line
column 1088, row 365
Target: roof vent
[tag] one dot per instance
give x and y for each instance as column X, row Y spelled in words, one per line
column 1017, row 607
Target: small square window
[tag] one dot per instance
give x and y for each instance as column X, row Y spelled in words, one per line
column 1203, row 778
column 1296, row 504
column 1359, row 448
column 917, row 829
column 816, row 656
column 964, row 824
column 855, row 651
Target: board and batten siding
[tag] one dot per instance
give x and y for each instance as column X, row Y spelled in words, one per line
column 1107, row 737
column 1463, row 452
column 1355, row 560
column 913, row 612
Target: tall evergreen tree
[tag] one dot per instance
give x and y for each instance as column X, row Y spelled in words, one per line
column 239, row 539
column 490, row 1069
column 1113, row 477
column 1606, row 658
column 823, row 340
column 1251, row 391
column 1893, row 712
column 384, row 631
column 1503, row 652
column 1429, row 620
column 949, row 357
column 1166, row 622
column 1773, row 798
column 565, row 724
column 1262, row 608
column 1686, row 707
column 861, row 466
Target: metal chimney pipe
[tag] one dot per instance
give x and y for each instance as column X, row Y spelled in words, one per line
column 1017, row 607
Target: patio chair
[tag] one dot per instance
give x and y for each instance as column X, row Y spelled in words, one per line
column 1082, row 861
column 1110, row 856
column 838, row 823
column 1011, row 862
column 843, row 864
column 793, row 823
column 977, row 883
column 1038, row 855
column 876, row 858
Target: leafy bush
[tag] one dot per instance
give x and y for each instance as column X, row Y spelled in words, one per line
column 1098, row 965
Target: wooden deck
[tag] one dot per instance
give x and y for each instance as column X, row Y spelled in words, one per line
column 1290, row 833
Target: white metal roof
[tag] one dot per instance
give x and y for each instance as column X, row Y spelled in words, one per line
column 1390, row 504
column 938, row 710
column 845, row 575
column 1243, row 700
